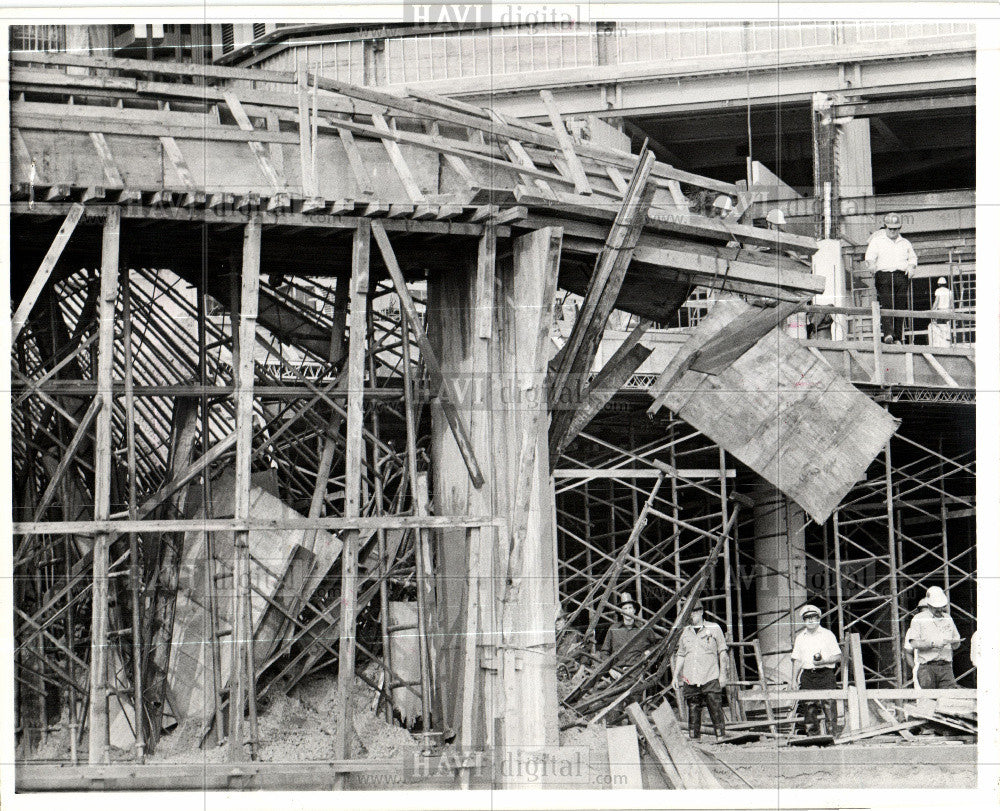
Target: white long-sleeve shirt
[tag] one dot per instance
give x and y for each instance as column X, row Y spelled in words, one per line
column 890, row 254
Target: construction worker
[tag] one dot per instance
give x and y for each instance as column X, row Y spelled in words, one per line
column 699, row 668
column 933, row 637
column 893, row 260
column 775, row 219
column 722, row 206
column 622, row 632
column 939, row 332
column 815, row 656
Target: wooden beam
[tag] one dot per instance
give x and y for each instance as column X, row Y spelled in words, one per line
column 623, row 758
column 935, row 364
column 176, row 158
column 635, row 712
column 357, row 318
column 361, row 176
column 576, row 172
column 68, row 456
column 685, row 757
column 45, row 270
column 613, row 375
column 399, row 163
column 241, row 677
column 449, row 396
column 112, row 176
column 99, row 733
column 858, row 668
column 243, row 120
column 603, row 288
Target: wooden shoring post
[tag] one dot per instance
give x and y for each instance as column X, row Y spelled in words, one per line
column 99, row 731
column 383, row 562
column 69, row 455
column 890, row 510
column 135, row 584
column 858, row 668
column 241, row 673
column 448, row 395
column 211, row 582
column 45, row 270
column 420, row 547
column 357, row 316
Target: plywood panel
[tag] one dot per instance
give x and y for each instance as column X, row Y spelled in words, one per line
column 781, row 412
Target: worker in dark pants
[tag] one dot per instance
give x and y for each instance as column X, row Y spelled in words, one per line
column 933, row 638
column 815, row 656
column 892, row 258
column 700, row 668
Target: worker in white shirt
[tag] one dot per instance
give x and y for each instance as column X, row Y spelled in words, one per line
column 933, row 638
column 892, row 258
column 699, row 667
column 939, row 332
column 815, row 656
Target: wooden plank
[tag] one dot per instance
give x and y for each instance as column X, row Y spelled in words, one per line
column 623, row 758
column 486, row 282
column 519, row 156
column 470, row 667
column 361, row 176
column 353, row 471
column 606, row 384
column 243, row 120
column 858, row 668
column 686, row 759
column 398, row 161
column 448, row 395
column 883, row 712
column 674, row 779
column 69, row 455
column 874, row 732
column 45, row 270
column 576, row 172
column 602, row 292
column 729, row 343
column 99, row 731
column 935, row 364
column 176, row 158
column 112, row 176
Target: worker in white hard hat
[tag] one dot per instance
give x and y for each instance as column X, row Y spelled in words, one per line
column 815, row 656
column 933, row 638
column 776, row 219
column 939, row 332
column 722, row 206
column 892, row 258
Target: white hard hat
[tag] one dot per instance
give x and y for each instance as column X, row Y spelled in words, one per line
column 923, row 603
column 776, row 216
column 806, row 610
column 936, row 597
column 625, row 598
column 723, row 201
column 942, row 280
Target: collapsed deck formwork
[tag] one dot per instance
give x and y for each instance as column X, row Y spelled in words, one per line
column 302, row 327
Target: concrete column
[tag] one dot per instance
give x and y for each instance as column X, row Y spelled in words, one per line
column 779, row 555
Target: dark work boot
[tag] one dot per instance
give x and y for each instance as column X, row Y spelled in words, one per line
column 694, row 719
column 830, row 713
column 715, row 711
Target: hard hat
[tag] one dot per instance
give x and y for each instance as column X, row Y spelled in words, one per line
column 942, row 280
column 625, row 598
column 923, row 603
column 724, row 202
column 936, row 597
column 808, row 610
column 776, row 216
column 893, row 221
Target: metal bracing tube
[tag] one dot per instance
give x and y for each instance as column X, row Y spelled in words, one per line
column 890, row 509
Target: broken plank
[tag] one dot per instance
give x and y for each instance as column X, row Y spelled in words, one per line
column 729, row 343
column 655, row 745
column 623, row 758
column 876, row 731
column 448, row 396
column 686, row 759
